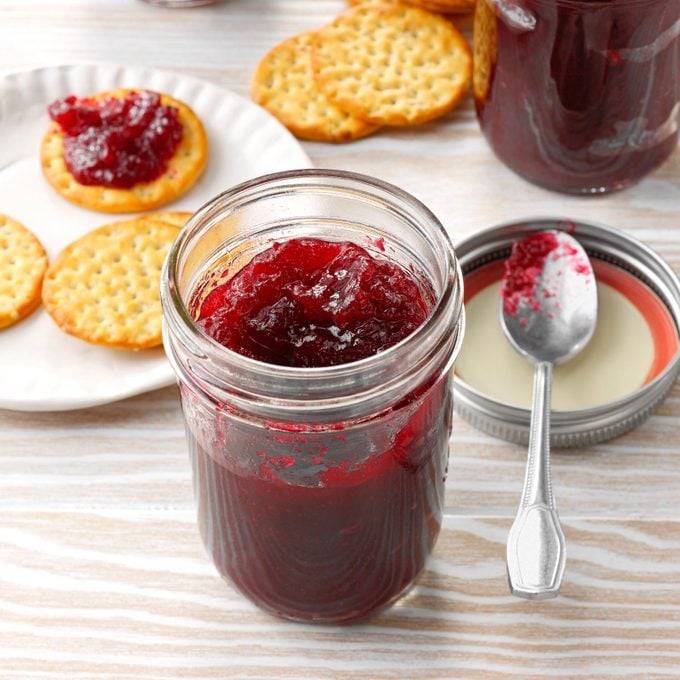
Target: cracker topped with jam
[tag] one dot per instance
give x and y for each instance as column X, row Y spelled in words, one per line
column 123, row 150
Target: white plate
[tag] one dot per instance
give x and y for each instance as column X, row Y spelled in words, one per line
column 42, row 368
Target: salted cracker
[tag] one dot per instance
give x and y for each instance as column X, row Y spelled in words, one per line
column 104, row 288
column 441, row 6
column 182, row 170
column 445, row 6
column 178, row 218
column 22, row 266
column 484, row 49
column 284, row 84
column 392, row 64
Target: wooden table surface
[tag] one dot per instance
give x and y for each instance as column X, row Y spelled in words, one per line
column 102, row 573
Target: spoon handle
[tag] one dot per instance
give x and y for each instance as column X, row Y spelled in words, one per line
column 536, row 549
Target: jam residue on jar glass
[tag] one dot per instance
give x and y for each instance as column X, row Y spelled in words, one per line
column 314, row 352
column 580, row 96
column 117, row 141
column 327, row 526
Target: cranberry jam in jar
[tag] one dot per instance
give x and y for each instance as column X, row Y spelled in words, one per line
column 312, row 318
column 579, row 96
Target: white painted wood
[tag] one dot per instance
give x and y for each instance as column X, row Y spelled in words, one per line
column 102, row 574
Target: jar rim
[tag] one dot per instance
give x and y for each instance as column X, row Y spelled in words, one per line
column 448, row 302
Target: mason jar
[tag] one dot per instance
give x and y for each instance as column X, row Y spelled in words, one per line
column 578, row 96
column 320, row 491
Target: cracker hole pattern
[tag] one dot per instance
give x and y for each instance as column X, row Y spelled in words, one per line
column 22, row 265
column 359, row 50
column 114, row 299
column 285, row 85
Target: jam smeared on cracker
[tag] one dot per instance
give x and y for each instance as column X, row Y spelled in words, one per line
column 182, row 168
column 117, row 141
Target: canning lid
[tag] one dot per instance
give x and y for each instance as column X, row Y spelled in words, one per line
column 586, row 426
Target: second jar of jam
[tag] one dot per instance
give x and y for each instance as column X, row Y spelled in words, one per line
column 312, row 318
column 579, row 96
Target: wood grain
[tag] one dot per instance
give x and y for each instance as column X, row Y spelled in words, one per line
column 129, row 594
column 105, row 457
column 102, row 574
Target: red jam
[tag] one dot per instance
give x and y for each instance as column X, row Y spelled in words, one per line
column 117, row 142
column 319, row 522
column 579, row 95
column 307, row 302
column 523, row 269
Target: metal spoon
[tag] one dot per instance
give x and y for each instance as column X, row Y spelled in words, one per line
column 549, row 313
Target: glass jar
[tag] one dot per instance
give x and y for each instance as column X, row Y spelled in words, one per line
column 579, row 96
column 320, row 490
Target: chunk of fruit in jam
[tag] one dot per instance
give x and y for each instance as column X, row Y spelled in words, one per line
column 117, row 141
column 308, row 302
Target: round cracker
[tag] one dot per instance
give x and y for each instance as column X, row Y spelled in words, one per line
column 352, row 3
column 445, row 6
column 178, row 218
column 484, row 59
column 182, row 171
column 22, row 266
column 440, row 6
column 284, row 84
column 104, row 288
column 392, row 64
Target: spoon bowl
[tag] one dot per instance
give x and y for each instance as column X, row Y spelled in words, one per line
column 548, row 312
column 549, row 304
